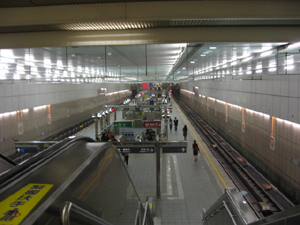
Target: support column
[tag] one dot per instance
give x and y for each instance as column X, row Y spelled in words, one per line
column 157, row 150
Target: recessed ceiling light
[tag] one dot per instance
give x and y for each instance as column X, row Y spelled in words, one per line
column 192, row 62
column 212, row 47
column 202, row 55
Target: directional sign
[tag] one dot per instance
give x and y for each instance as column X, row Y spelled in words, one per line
column 136, row 149
column 174, row 149
column 152, row 124
column 27, row 148
column 123, row 124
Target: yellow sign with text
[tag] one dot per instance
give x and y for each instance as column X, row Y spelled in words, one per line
column 17, row 206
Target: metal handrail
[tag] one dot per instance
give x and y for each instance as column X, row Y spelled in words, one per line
column 80, row 214
column 229, row 212
column 145, row 213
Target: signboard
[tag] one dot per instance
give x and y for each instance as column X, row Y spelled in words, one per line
column 20, row 128
column 16, row 207
column 123, row 124
column 154, row 109
column 152, row 124
column 174, row 149
column 145, row 85
column 27, row 149
column 130, row 133
column 137, row 149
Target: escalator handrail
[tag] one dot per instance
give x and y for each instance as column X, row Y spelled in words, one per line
column 70, row 209
column 23, row 168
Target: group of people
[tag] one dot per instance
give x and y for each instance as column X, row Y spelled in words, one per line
column 107, row 136
column 175, row 123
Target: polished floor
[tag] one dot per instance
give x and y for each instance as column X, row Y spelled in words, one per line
column 187, row 186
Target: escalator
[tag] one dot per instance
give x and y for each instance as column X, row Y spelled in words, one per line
column 232, row 209
column 76, row 181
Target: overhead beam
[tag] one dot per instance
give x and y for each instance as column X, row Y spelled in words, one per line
column 150, row 36
column 148, row 11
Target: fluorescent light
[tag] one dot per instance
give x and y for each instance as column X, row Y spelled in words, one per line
column 212, row 47
column 192, row 61
column 247, row 59
column 266, row 53
column 39, row 107
column 258, row 71
column 290, row 67
column 295, row 45
column 272, row 69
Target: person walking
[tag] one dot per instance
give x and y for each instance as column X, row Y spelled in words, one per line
column 195, row 150
column 184, row 130
column 126, row 157
column 171, row 123
column 175, row 123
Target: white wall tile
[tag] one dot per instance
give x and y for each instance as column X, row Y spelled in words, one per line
column 27, row 101
column 15, row 103
column 22, row 104
column 258, row 86
column 32, row 89
column 27, row 89
column 269, row 104
column 270, row 87
column 294, row 86
column 8, row 90
column 257, row 102
column 276, row 85
column 276, row 106
column 264, row 86
column 2, row 104
column 252, row 86
column 284, row 107
column 293, row 109
column 8, row 104
column 20, row 89
column 284, row 86
column 263, row 104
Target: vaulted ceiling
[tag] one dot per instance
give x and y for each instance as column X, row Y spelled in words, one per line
column 144, row 41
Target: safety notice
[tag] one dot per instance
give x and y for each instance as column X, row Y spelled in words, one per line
column 17, row 206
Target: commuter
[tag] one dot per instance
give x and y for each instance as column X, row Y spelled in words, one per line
column 103, row 136
column 153, row 134
column 171, row 123
column 112, row 138
column 184, row 130
column 195, row 150
column 163, row 137
column 106, row 120
column 175, row 123
column 126, row 158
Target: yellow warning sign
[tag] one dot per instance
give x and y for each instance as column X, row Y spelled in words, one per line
column 17, row 206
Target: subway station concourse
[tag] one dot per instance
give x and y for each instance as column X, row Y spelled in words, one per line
column 74, row 73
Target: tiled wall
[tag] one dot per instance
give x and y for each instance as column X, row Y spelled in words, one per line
column 36, row 122
column 15, row 97
column 276, row 95
column 280, row 162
